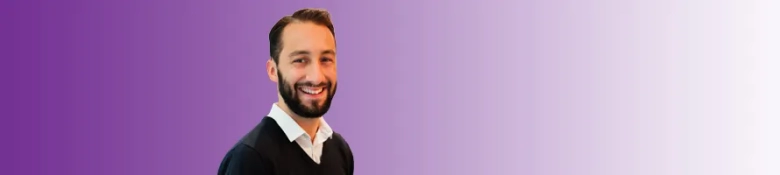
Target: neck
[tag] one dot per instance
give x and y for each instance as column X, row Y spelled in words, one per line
column 310, row 125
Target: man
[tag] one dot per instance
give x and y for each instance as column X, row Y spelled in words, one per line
column 294, row 138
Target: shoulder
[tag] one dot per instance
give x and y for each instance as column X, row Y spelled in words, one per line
column 346, row 152
column 243, row 159
column 340, row 140
column 243, row 152
column 255, row 152
column 343, row 145
column 263, row 133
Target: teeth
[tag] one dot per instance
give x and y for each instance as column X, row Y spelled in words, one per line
column 312, row 91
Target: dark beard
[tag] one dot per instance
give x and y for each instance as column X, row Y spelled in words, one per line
column 289, row 94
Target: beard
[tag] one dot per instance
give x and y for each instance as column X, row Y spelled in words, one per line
column 293, row 101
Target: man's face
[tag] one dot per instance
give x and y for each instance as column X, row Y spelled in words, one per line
column 306, row 70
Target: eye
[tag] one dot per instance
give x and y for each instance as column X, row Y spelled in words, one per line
column 299, row 60
column 326, row 59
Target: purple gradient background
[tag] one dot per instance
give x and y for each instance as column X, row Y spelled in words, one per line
column 594, row 87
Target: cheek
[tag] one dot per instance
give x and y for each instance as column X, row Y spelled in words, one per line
column 291, row 75
column 331, row 74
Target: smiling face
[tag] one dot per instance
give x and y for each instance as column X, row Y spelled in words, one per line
column 305, row 70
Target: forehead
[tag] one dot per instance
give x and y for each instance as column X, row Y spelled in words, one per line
column 307, row 36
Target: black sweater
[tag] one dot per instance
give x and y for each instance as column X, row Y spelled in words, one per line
column 266, row 151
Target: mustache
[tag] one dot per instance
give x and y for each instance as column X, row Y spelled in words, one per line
column 325, row 84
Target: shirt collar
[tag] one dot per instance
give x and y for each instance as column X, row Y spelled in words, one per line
column 292, row 129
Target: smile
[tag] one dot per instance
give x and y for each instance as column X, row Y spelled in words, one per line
column 312, row 90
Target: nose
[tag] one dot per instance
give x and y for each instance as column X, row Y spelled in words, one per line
column 315, row 74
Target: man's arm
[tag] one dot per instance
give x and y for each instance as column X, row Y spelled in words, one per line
column 351, row 160
column 347, row 152
column 243, row 160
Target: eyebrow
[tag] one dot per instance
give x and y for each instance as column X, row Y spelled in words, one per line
column 304, row 52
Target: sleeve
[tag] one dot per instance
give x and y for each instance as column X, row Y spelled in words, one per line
column 351, row 159
column 243, row 160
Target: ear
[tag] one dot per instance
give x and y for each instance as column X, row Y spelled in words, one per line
column 270, row 66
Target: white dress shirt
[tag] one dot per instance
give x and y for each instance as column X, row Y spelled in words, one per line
column 295, row 133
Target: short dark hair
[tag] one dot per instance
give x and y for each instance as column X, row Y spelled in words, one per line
column 318, row 16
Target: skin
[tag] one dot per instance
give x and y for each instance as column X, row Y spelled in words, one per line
column 308, row 56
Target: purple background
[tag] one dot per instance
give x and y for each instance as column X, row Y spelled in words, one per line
column 555, row 87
